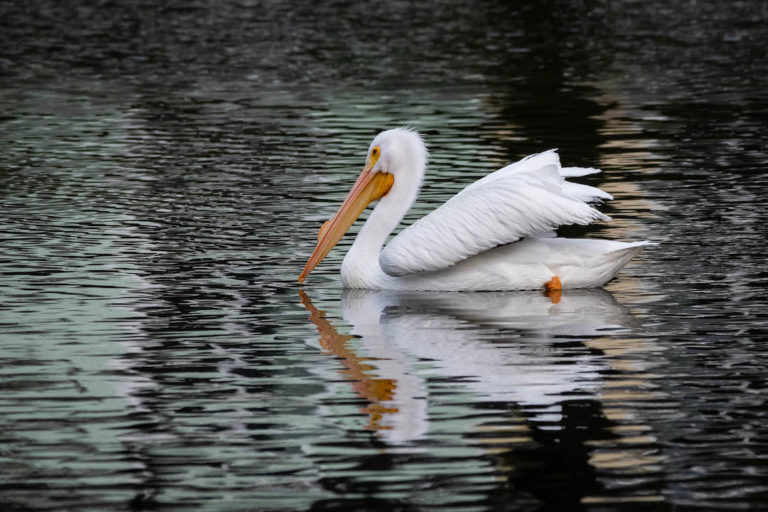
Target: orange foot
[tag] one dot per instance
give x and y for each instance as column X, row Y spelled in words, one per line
column 554, row 289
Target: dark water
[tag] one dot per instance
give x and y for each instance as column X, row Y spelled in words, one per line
column 165, row 167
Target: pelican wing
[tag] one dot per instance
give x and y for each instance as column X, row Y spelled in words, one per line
column 527, row 198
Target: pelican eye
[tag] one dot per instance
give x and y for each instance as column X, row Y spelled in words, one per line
column 375, row 152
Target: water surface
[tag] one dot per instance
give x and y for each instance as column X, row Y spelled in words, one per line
column 164, row 171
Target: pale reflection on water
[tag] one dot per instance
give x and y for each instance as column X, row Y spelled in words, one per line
column 521, row 348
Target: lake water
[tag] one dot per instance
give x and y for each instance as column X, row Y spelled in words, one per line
column 165, row 168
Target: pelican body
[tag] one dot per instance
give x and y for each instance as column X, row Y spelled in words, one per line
column 495, row 234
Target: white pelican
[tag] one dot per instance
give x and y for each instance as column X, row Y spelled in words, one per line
column 496, row 234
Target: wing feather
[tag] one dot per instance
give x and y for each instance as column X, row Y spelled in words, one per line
column 524, row 199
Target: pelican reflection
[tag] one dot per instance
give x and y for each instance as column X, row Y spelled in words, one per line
column 514, row 347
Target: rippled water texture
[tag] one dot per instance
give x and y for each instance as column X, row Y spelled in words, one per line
column 165, row 167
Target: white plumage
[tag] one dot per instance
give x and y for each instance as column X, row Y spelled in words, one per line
column 524, row 199
column 496, row 234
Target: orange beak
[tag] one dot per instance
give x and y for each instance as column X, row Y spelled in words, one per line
column 369, row 187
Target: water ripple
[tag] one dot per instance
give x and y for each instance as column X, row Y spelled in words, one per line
column 165, row 170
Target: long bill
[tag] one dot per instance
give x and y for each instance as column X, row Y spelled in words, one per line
column 369, row 187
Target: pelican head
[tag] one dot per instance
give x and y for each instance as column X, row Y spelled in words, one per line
column 394, row 167
column 401, row 152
